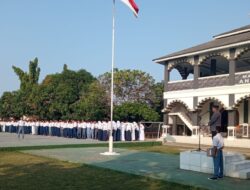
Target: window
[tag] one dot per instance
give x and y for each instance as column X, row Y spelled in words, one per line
column 246, row 111
column 213, row 67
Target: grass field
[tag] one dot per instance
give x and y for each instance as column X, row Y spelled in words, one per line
column 19, row 171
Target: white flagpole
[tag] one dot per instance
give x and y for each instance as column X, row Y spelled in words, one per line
column 110, row 152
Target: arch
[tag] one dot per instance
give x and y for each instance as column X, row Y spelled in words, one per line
column 212, row 55
column 243, row 60
column 177, row 62
column 205, row 100
column 242, row 52
column 241, row 99
column 173, row 104
column 214, row 64
column 183, row 66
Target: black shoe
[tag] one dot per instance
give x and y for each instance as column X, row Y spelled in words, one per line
column 220, row 177
column 213, row 178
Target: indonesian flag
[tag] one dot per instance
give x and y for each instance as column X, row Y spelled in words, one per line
column 132, row 5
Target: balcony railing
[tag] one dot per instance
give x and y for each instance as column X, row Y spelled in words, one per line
column 242, row 78
column 213, row 81
column 180, row 85
column 203, row 82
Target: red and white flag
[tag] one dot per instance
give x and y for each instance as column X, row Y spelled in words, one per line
column 132, row 5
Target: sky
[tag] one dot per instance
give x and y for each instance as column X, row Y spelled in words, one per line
column 79, row 32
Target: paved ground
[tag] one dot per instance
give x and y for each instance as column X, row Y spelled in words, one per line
column 155, row 165
column 11, row 140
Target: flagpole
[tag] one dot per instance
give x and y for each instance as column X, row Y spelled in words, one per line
column 112, row 82
column 111, row 152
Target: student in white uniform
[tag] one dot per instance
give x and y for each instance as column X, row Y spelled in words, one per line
column 142, row 133
column 123, row 128
column 21, row 124
column 133, row 126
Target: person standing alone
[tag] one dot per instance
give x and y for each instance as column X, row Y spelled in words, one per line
column 218, row 145
column 215, row 120
column 21, row 124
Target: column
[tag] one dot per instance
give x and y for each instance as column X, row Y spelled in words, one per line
column 232, row 67
column 196, row 72
column 174, row 129
column 165, row 114
column 166, row 80
column 195, row 123
column 166, row 77
column 231, row 124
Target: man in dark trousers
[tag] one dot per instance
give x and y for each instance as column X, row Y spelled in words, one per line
column 218, row 145
column 215, row 120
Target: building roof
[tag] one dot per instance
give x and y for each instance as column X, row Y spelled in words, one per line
column 229, row 39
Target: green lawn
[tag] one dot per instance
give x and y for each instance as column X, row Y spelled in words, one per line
column 19, row 171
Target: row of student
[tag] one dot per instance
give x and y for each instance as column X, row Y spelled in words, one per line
column 122, row 131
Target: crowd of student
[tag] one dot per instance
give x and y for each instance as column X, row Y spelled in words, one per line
column 122, row 131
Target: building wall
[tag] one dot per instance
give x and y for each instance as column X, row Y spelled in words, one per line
column 220, row 93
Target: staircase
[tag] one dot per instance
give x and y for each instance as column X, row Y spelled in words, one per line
column 237, row 166
column 184, row 118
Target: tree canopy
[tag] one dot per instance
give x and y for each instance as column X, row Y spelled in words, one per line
column 78, row 95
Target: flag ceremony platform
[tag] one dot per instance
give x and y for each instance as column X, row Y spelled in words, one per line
column 235, row 165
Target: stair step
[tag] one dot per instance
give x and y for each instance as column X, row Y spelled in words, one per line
column 234, row 158
column 242, row 174
column 241, row 165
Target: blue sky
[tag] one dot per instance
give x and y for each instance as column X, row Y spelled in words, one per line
column 78, row 33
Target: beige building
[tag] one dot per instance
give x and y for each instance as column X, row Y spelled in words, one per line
column 214, row 72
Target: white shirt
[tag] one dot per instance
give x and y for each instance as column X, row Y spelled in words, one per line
column 141, row 133
column 218, row 141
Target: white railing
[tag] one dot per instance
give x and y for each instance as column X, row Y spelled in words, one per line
column 184, row 118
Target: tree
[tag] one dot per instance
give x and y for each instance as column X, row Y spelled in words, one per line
column 94, row 104
column 135, row 111
column 130, row 86
column 158, row 103
column 59, row 92
column 28, row 79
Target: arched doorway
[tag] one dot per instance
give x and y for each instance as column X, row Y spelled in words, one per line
column 205, row 112
column 176, row 111
column 243, row 109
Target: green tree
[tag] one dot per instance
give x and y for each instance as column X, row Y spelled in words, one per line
column 158, row 103
column 130, row 86
column 59, row 92
column 94, row 104
column 29, row 79
column 135, row 111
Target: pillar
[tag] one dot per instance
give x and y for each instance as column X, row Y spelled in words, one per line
column 196, row 72
column 232, row 118
column 166, row 80
column 231, row 124
column 174, row 129
column 232, row 67
column 195, row 123
column 165, row 114
column 166, row 77
column 195, row 118
column 213, row 67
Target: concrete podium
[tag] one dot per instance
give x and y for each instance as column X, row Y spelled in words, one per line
column 235, row 165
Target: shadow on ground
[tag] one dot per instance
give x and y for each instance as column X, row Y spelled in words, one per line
column 20, row 171
column 151, row 165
